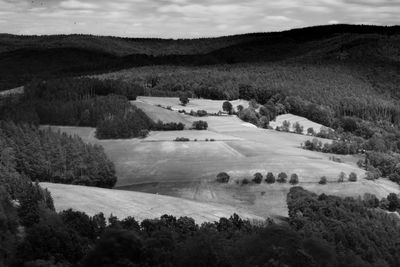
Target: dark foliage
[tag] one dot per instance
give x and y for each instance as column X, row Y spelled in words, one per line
column 48, row 156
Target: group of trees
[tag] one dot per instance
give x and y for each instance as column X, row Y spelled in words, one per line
column 54, row 157
column 258, row 178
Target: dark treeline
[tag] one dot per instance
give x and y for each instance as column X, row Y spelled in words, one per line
column 81, row 102
column 322, row 231
column 44, row 155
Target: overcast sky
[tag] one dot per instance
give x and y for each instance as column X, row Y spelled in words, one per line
column 186, row 18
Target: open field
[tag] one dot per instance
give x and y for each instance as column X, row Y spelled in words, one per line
column 122, row 204
column 211, row 106
column 157, row 164
column 293, row 119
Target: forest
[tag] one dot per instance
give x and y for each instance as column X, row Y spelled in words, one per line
column 43, row 155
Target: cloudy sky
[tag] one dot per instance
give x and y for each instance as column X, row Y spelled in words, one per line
column 186, row 18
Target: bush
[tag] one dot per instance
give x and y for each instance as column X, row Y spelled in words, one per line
column 245, row 181
column 310, row 131
column 341, row 178
column 257, row 178
column 201, row 113
column 270, row 178
column 282, row 177
column 353, row 177
column 294, row 179
column 200, row 125
column 223, row 177
column 323, row 180
column 182, row 139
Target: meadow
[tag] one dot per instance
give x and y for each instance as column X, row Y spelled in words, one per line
column 159, row 165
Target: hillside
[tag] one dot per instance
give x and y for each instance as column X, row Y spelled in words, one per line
column 23, row 58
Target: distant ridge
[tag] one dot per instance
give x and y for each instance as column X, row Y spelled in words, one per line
column 23, row 58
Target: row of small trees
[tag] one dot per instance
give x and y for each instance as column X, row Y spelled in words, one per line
column 258, row 178
column 282, row 177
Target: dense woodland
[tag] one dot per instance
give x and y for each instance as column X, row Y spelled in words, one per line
column 44, row 155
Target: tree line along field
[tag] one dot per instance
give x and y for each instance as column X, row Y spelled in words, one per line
column 349, row 90
column 158, row 164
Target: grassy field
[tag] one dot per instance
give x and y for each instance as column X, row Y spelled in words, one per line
column 292, row 119
column 211, row 106
column 157, row 164
column 92, row 200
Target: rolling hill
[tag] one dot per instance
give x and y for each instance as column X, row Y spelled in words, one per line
column 23, row 58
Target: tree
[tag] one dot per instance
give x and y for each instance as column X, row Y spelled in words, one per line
column 239, row 108
column 294, row 179
column 200, row 125
column 264, row 122
column 184, row 99
column 310, row 131
column 223, row 177
column 341, row 177
column 323, row 180
column 227, row 106
column 353, row 177
column 282, row 177
column 257, row 178
column 298, row 128
column 270, row 178
column 285, row 126
column 394, row 202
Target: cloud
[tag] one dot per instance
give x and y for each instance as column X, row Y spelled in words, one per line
column 186, row 18
column 75, row 4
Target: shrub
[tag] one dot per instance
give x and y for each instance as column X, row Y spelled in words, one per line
column 270, row 178
column 257, row 178
column 201, row 113
column 341, row 178
column 310, row 131
column 282, row 177
column 245, row 181
column 294, row 179
column 182, row 139
column 323, row 180
column 223, row 177
column 200, row 125
column 353, row 177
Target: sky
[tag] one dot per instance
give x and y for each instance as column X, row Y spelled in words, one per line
column 186, row 18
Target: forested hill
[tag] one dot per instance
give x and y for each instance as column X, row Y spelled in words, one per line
column 23, row 58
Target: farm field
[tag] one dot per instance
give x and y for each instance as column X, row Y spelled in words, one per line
column 211, row 106
column 159, row 165
column 122, row 204
column 292, row 119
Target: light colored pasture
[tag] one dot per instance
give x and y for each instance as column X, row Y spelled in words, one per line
column 211, row 106
column 157, row 164
column 122, row 204
column 293, row 119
